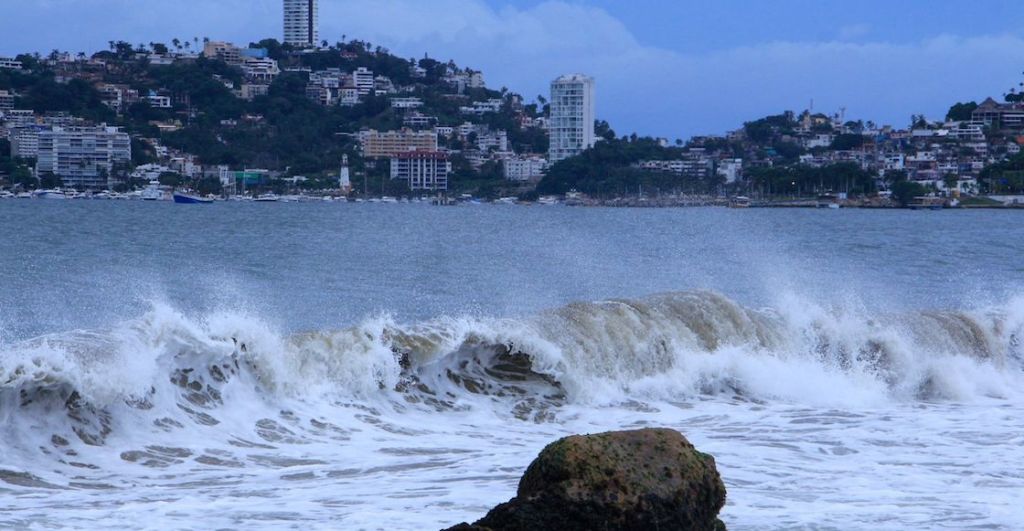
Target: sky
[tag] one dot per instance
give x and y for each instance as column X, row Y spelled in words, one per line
column 665, row 68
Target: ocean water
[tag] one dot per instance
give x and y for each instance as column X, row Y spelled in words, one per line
column 369, row 366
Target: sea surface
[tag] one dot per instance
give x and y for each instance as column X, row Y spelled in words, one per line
column 397, row 366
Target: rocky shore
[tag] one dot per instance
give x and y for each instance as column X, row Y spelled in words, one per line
column 626, row 480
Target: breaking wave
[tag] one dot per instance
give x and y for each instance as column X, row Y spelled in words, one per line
column 668, row 347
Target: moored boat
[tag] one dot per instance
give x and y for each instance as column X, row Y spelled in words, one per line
column 190, row 199
column 49, row 194
column 739, row 202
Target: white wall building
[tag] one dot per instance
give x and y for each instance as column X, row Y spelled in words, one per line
column 524, row 168
column 406, row 103
column 422, row 170
column 301, row 19
column 730, row 169
column 7, row 62
column 362, row 78
column 82, row 157
column 6, row 101
column 571, row 126
column 25, row 142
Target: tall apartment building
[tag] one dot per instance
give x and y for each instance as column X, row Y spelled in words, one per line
column 422, row 170
column 300, row 23
column 571, row 125
column 386, row 144
column 83, row 157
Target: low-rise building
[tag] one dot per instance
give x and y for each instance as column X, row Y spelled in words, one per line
column 158, row 101
column 251, row 91
column 524, row 168
column 730, row 169
column 11, row 64
column 6, row 101
column 1002, row 116
column 261, row 70
column 406, row 103
column 362, row 79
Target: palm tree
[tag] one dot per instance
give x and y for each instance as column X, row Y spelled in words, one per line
column 176, row 42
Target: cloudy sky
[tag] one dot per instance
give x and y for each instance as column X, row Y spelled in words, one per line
column 671, row 68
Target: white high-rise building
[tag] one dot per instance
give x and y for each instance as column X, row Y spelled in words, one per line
column 571, row 126
column 301, row 18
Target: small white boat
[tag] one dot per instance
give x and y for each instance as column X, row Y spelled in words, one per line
column 152, row 192
column 49, row 194
column 267, row 198
column 739, row 202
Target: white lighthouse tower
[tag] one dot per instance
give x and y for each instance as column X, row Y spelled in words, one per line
column 344, row 180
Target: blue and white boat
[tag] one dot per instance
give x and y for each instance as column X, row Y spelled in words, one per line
column 190, row 199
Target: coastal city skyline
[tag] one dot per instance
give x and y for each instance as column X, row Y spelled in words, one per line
column 203, row 119
column 652, row 81
column 511, row 264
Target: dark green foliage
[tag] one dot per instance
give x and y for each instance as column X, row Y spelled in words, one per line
column 904, row 192
column 77, row 97
column 961, row 111
column 806, row 180
column 1005, row 177
column 49, row 180
column 847, row 141
column 605, row 170
column 170, row 179
column 765, row 129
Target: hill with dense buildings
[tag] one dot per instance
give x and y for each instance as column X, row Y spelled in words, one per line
column 294, row 113
column 219, row 118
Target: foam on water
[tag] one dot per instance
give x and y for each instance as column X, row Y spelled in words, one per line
column 222, row 418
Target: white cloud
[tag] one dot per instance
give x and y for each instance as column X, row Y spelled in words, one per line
column 659, row 91
column 853, row 31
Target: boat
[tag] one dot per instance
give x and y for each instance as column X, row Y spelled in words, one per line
column 152, row 192
column 267, row 198
column 739, row 202
column 190, row 199
column 49, row 194
column 828, row 201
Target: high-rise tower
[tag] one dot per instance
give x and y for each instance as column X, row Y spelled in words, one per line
column 300, row 23
column 571, row 125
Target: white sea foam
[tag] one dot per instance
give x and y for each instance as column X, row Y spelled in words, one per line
column 224, row 418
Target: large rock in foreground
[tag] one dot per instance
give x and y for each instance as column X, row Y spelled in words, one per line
column 630, row 480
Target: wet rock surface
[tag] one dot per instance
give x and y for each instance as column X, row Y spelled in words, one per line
column 629, row 480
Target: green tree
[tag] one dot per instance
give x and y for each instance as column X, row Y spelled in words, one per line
column 170, row 179
column 846, row 142
column 904, row 192
column 961, row 112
